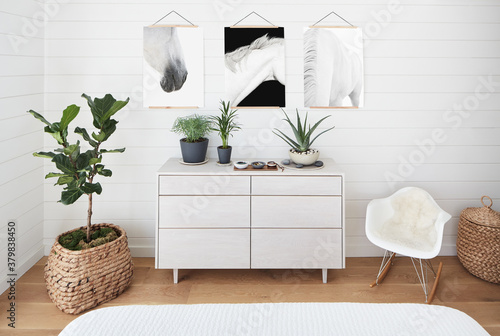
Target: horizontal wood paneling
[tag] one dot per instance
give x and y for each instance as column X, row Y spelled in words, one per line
column 422, row 66
column 15, row 106
column 19, row 25
column 20, row 46
column 379, row 102
column 373, row 83
column 107, row 65
column 22, row 88
column 204, row 12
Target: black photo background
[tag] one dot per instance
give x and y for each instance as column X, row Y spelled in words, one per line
column 268, row 93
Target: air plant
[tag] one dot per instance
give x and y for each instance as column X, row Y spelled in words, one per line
column 302, row 132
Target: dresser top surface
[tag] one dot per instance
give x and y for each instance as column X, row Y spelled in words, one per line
column 174, row 167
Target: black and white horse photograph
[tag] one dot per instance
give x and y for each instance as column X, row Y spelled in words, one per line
column 333, row 67
column 173, row 66
column 255, row 66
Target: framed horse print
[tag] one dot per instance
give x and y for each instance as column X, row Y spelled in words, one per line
column 254, row 61
column 173, row 67
column 333, row 67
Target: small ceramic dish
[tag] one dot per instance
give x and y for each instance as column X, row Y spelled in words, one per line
column 271, row 164
column 258, row 164
column 241, row 164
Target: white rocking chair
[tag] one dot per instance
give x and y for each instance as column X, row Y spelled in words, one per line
column 411, row 223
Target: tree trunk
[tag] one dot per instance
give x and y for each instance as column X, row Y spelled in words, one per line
column 89, row 218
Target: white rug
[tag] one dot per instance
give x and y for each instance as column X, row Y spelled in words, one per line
column 272, row 319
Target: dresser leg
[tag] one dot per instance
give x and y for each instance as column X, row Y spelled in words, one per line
column 325, row 274
column 176, row 275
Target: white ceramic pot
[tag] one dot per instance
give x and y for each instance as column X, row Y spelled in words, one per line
column 305, row 158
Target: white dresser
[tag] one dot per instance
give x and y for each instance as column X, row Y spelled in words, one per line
column 215, row 217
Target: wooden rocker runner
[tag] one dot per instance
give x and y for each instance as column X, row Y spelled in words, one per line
column 425, row 266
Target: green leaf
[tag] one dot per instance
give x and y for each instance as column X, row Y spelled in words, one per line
column 49, row 175
column 103, row 108
column 64, row 180
column 105, row 172
column 118, row 150
column 90, row 188
column 40, row 117
column 71, row 195
column 83, row 161
column 55, row 131
column 320, row 134
column 288, row 140
column 108, row 128
column 93, row 161
column 99, row 137
column 72, row 148
column 63, row 164
column 117, row 106
column 96, row 112
column 54, row 128
column 46, row 155
column 300, row 131
column 69, row 114
column 83, row 132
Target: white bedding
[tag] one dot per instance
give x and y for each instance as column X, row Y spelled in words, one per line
column 274, row 319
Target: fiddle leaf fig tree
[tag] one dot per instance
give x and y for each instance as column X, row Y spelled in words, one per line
column 78, row 168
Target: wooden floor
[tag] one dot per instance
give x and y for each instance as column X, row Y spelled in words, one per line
column 37, row 315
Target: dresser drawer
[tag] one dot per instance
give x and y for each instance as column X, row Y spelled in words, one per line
column 297, row 248
column 204, row 185
column 204, row 211
column 297, row 185
column 297, row 211
column 204, row 248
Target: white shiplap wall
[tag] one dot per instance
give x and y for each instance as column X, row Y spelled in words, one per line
column 422, row 62
column 21, row 175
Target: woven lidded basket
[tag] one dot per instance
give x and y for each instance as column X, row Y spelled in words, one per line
column 478, row 241
column 79, row 280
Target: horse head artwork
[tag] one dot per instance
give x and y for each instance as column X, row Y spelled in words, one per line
column 163, row 52
column 249, row 66
column 332, row 71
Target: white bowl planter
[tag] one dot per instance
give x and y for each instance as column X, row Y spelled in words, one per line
column 306, row 158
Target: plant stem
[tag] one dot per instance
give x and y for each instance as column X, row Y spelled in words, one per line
column 89, row 217
column 91, row 179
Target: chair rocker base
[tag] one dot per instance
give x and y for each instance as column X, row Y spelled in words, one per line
column 421, row 267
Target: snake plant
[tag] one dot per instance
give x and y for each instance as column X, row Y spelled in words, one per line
column 302, row 133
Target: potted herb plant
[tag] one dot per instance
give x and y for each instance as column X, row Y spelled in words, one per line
column 92, row 264
column 194, row 128
column 301, row 151
column 224, row 125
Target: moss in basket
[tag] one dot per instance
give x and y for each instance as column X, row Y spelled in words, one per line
column 75, row 240
column 71, row 240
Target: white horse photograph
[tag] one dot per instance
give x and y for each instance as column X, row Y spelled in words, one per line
column 333, row 67
column 173, row 66
column 255, row 66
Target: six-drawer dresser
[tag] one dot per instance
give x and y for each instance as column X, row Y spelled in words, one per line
column 218, row 217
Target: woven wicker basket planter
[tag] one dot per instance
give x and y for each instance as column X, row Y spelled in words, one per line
column 478, row 242
column 79, row 280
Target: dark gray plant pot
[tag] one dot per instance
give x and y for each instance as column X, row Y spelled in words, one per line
column 224, row 154
column 194, row 152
